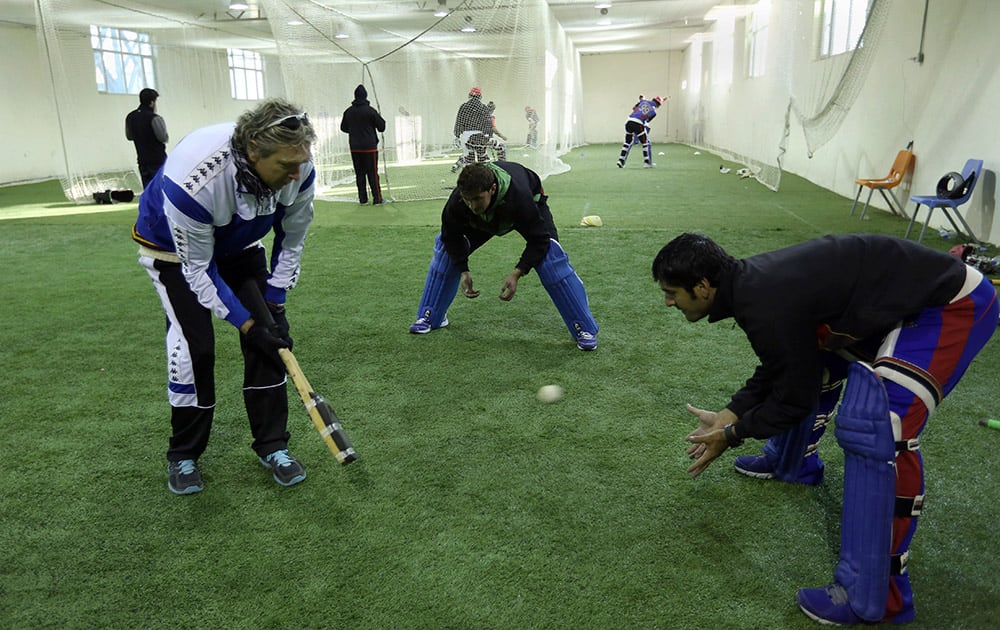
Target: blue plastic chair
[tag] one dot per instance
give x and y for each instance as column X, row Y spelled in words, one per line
column 948, row 206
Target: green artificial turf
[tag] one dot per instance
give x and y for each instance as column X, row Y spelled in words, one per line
column 472, row 504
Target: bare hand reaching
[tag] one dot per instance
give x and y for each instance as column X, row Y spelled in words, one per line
column 465, row 286
column 708, row 441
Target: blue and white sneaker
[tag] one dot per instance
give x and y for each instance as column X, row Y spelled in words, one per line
column 287, row 470
column 423, row 326
column 828, row 605
column 183, row 477
column 586, row 340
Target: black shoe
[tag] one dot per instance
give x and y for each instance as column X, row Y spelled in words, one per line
column 183, row 477
column 287, row 470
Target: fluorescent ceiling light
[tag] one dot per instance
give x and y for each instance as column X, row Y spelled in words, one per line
column 468, row 28
column 602, row 5
column 441, row 13
column 238, row 6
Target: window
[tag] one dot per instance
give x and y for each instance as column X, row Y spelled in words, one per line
column 246, row 75
column 756, row 40
column 695, row 64
column 843, row 23
column 123, row 60
column 722, row 49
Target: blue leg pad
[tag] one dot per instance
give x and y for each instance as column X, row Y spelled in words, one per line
column 786, row 453
column 793, row 456
column 864, row 431
column 442, row 284
column 566, row 290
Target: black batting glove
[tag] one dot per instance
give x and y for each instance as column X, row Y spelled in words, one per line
column 280, row 327
column 264, row 339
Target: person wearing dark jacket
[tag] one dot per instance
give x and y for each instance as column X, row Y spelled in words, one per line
column 895, row 325
column 362, row 123
column 495, row 199
column 148, row 131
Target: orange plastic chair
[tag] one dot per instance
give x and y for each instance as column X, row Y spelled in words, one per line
column 903, row 163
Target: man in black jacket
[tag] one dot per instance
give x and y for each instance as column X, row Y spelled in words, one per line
column 494, row 199
column 362, row 123
column 148, row 131
column 901, row 321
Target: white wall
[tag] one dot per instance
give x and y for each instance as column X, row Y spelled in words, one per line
column 613, row 82
column 32, row 145
column 946, row 105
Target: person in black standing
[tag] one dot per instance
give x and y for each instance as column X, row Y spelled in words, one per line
column 362, row 123
column 148, row 131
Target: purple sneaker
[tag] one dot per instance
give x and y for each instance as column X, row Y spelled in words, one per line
column 586, row 341
column 828, row 605
column 423, row 326
column 757, row 466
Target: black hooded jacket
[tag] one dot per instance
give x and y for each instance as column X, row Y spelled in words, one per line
column 825, row 294
column 361, row 121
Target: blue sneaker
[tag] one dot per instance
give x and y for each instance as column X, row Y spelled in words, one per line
column 586, row 341
column 183, row 477
column 287, row 470
column 828, row 605
column 423, row 326
column 757, row 466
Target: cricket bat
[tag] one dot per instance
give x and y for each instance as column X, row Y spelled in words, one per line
column 320, row 412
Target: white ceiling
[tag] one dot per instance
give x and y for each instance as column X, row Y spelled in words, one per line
column 635, row 25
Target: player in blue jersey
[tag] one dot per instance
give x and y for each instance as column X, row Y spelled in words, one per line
column 201, row 220
column 890, row 322
column 637, row 130
column 494, row 199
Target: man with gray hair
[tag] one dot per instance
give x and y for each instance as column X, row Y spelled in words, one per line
column 200, row 225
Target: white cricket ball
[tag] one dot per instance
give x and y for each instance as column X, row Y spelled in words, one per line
column 550, row 393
